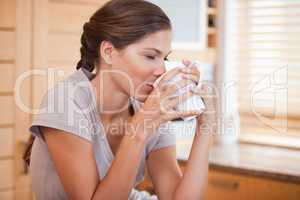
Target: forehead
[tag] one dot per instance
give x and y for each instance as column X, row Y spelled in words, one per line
column 160, row 40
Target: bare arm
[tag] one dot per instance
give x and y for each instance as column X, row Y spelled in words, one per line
column 163, row 165
column 164, row 171
column 168, row 181
column 194, row 181
column 74, row 160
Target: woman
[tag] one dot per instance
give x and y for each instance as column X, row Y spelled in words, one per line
column 77, row 154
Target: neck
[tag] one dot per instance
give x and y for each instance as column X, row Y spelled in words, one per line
column 111, row 100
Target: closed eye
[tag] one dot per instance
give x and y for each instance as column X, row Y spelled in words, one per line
column 151, row 57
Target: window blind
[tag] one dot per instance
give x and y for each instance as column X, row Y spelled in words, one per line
column 265, row 59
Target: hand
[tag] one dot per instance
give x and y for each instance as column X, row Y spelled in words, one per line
column 205, row 121
column 158, row 107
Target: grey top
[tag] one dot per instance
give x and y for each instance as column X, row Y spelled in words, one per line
column 70, row 106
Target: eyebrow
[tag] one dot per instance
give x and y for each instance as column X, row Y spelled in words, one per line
column 157, row 51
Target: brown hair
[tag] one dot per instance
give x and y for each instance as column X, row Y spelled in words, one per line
column 121, row 22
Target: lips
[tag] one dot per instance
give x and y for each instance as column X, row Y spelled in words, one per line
column 153, row 84
column 150, row 85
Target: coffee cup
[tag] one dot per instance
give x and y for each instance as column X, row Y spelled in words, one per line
column 193, row 103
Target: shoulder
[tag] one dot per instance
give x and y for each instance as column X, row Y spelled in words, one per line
column 68, row 106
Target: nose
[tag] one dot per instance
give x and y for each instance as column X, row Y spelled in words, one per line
column 161, row 69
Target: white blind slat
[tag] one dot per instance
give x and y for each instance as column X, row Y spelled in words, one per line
column 265, row 38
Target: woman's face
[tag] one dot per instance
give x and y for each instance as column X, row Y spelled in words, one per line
column 141, row 63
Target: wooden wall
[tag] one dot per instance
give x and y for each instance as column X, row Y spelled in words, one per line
column 38, row 34
column 7, row 122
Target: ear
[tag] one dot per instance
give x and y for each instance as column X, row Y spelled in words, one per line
column 106, row 50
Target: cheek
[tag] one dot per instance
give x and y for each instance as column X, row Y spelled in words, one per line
column 140, row 78
column 138, row 70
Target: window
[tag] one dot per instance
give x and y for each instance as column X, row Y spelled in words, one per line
column 264, row 57
column 188, row 20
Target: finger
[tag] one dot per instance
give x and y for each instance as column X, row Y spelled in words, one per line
column 165, row 105
column 198, row 91
column 169, row 75
column 189, row 113
column 190, row 64
column 193, row 70
column 176, row 114
column 170, row 102
column 196, row 72
column 187, row 70
column 186, row 62
column 180, row 99
column 174, row 87
column 173, row 72
column 192, row 77
column 208, row 98
column 205, row 91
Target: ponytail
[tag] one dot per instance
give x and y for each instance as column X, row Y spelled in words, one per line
column 27, row 152
column 88, row 52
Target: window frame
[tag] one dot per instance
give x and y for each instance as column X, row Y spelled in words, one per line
column 224, row 71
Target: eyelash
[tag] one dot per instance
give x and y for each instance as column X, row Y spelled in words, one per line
column 153, row 57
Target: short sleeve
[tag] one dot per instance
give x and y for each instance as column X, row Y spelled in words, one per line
column 164, row 137
column 60, row 110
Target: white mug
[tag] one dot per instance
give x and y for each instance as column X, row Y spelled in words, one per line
column 193, row 103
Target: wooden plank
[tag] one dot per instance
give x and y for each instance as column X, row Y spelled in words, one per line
column 64, row 47
column 40, row 46
column 6, row 174
column 23, row 63
column 7, row 195
column 23, row 188
column 7, row 41
column 24, row 193
column 66, row 66
column 232, row 186
column 6, row 77
column 8, row 13
column 225, row 186
column 6, row 142
column 7, row 110
column 70, row 17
